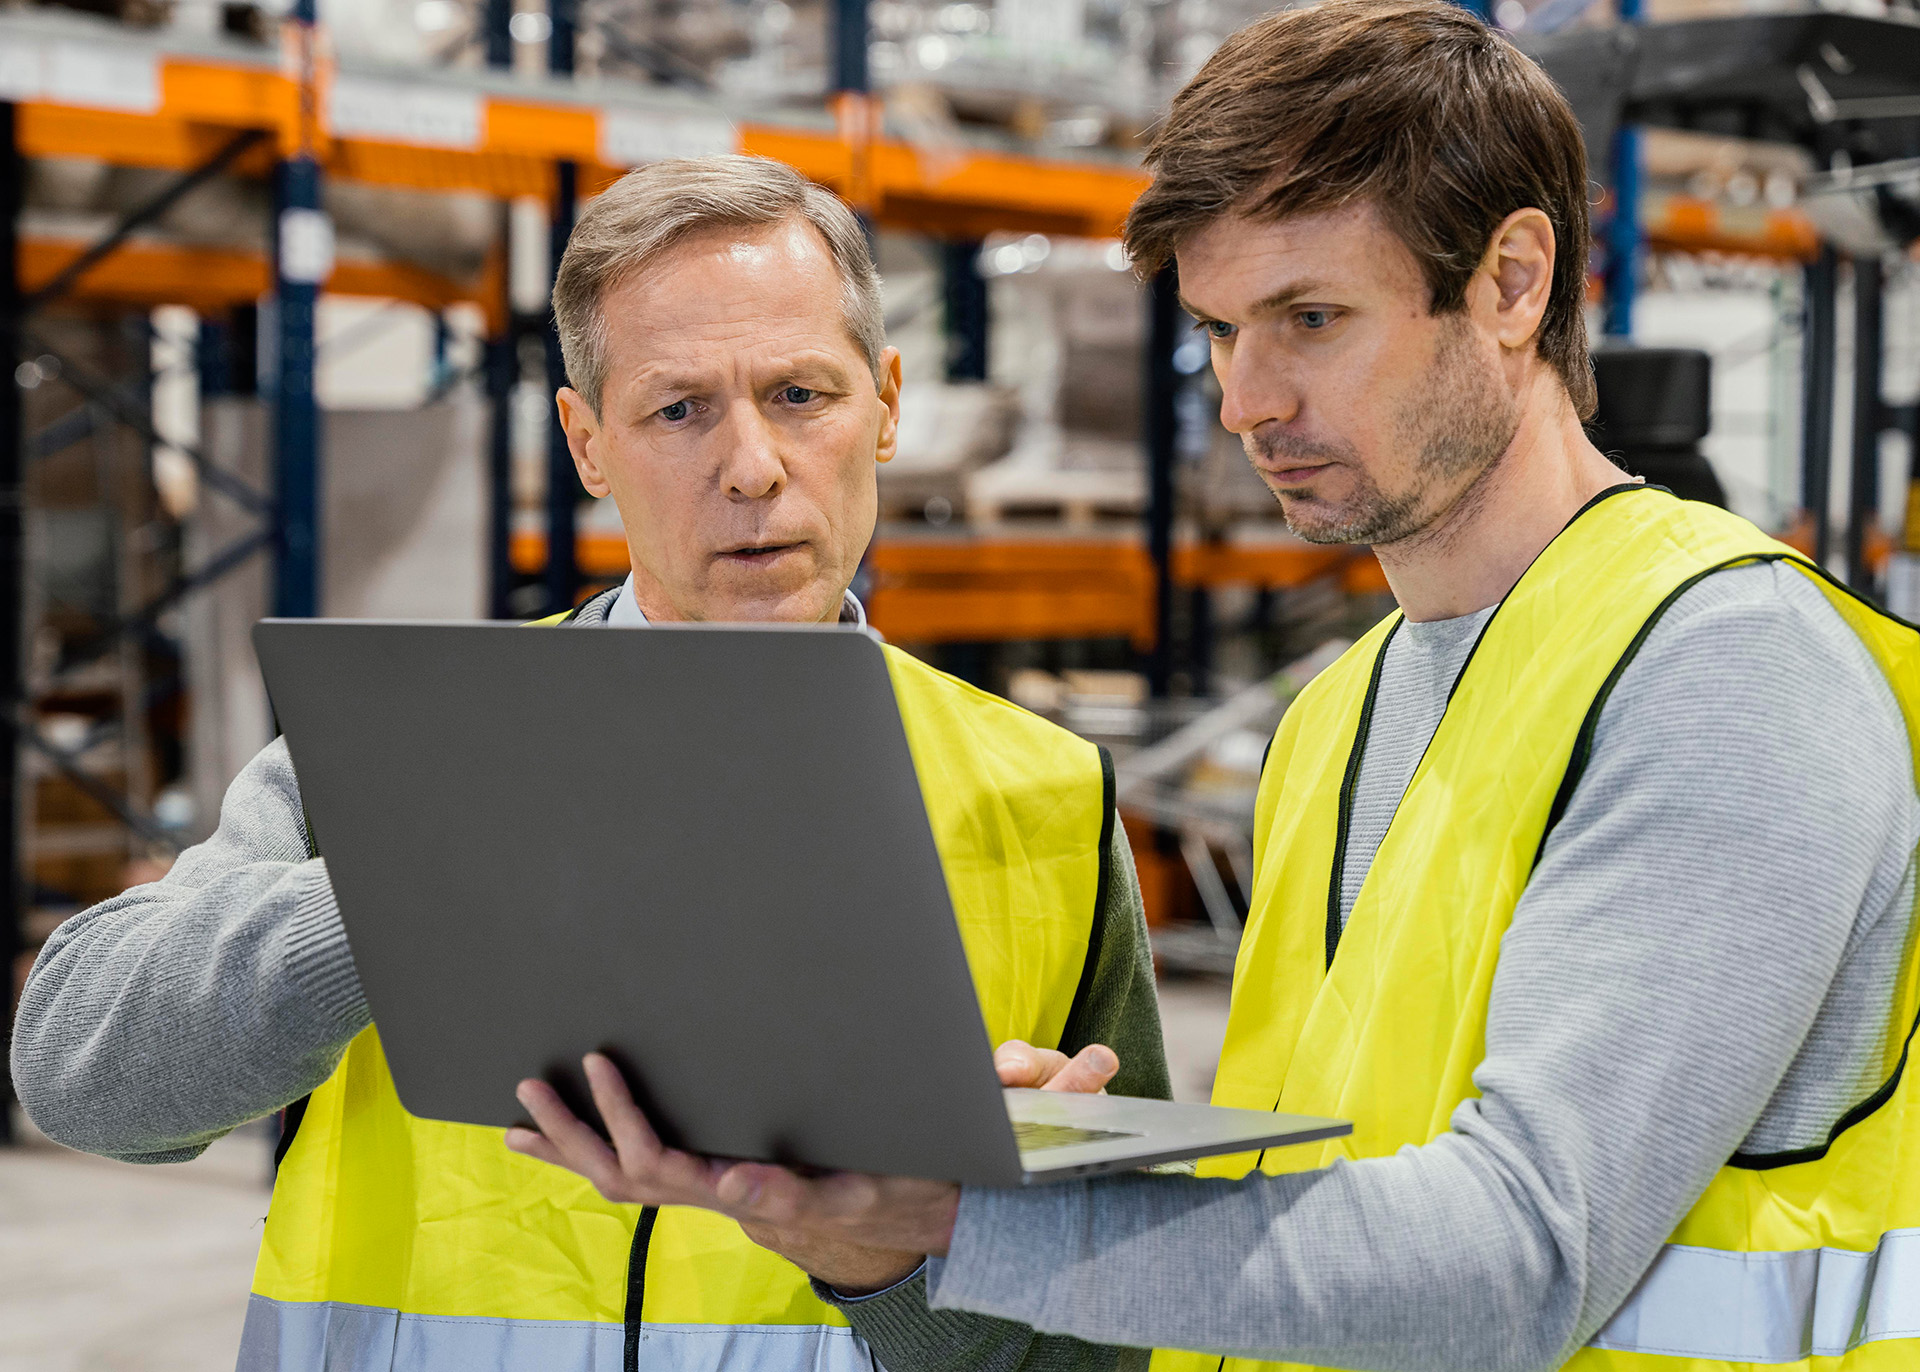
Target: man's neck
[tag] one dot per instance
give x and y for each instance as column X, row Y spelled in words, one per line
column 1472, row 555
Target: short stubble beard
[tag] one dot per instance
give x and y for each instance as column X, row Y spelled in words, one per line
column 1459, row 419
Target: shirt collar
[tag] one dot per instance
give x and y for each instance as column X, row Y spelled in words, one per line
column 626, row 610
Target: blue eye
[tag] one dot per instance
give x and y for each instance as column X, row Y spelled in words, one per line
column 677, row 411
column 797, row 395
column 1219, row 329
column 1316, row 319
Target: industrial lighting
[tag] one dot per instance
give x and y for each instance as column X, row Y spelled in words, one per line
column 530, row 26
column 932, row 52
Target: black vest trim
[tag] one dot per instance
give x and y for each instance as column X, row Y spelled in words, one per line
column 1071, row 1032
column 637, row 1286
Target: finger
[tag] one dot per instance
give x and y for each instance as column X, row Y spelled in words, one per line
column 1088, row 1071
column 533, row 1144
column 634, row 1141
column 1021, row 1064
column 762, row 1192
column 575, row 1146
column 766, row 1194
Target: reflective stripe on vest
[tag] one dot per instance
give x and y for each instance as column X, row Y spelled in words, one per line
column 1383, row 1021
column 1771, row 1307
column 467, row 1254
column 359, row 1338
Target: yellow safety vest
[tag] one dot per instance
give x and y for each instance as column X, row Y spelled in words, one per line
column 422, row 1246
column 1799, row 1260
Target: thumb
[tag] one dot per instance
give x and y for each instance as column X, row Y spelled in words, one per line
column 1088, row 1071
column 1021, row 1064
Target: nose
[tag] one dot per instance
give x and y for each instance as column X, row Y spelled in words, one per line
column 752, row 467
column 1255, row 388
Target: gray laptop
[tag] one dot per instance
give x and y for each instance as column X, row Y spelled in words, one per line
column 702, row 850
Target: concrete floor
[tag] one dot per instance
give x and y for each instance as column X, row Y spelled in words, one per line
column 107, row 1267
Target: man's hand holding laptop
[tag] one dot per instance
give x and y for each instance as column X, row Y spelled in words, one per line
column 854, row 1232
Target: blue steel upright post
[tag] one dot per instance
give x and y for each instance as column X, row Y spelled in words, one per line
column 303, row 258
column 503, row 366
column 563, row 482
column 968, row 321
column 855, row 113
column 1161, row 422
column 1623, row 229
column 13, row 583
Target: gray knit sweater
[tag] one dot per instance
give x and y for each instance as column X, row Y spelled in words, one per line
column 1703, row 961
column 159, row 1020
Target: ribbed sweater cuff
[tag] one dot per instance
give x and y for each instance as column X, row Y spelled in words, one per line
column 318, row 960
column 898, row 1313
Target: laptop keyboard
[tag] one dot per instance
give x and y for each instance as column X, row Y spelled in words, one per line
column 1035, row 1137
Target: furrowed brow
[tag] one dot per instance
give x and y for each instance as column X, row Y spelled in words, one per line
column 820, row 367
column 1281, row 299
column 1271, row 304
column 1200, row 315
column 663, row 381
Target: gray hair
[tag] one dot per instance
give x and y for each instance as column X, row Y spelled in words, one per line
column 648, row 212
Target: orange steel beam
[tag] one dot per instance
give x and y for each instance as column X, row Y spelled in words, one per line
column 958, row 190
column 943, row 591
column 966, row 564
column 1685, row 224
column 214, row 279
column 135, row 140
column 145, row 274
column 909, row 614
column 1363, row 575
column 1280, row 566
column 202, row 103
column 599, row 556
column 973, row 558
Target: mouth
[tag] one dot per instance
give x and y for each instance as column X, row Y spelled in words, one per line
column 758, row 554
column 1295, row 475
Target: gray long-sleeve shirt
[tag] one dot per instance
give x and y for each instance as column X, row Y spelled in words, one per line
column 1702, row 962
column 159, row 1020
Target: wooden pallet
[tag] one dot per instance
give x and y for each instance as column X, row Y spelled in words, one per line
column 1077, row 499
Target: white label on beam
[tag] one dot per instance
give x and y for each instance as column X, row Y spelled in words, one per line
column 103, row 77
column 306, row 246
column 394, row 113
column 629, row 138
column 22, row 70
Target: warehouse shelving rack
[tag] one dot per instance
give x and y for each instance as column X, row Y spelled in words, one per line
column 77, row 88
column 1845, row 87
column 73, row 87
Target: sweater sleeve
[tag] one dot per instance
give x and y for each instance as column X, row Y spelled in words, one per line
column 1120, row 1011
column 158, row 1020
column 1748, row 806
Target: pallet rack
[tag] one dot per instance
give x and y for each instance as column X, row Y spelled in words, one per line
column 75, row 87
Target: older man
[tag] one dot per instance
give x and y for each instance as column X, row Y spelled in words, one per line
column 733, row 392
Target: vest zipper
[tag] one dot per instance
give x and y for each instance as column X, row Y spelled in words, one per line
column 637, row 1286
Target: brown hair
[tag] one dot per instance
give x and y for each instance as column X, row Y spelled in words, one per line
column 647, row 213
column 1413, row 106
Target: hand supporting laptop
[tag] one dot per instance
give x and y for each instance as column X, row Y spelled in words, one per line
column 854, row 1232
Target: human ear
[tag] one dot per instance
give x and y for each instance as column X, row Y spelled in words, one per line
column 1520, row 263
column 890, row 398
column 582, row 427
